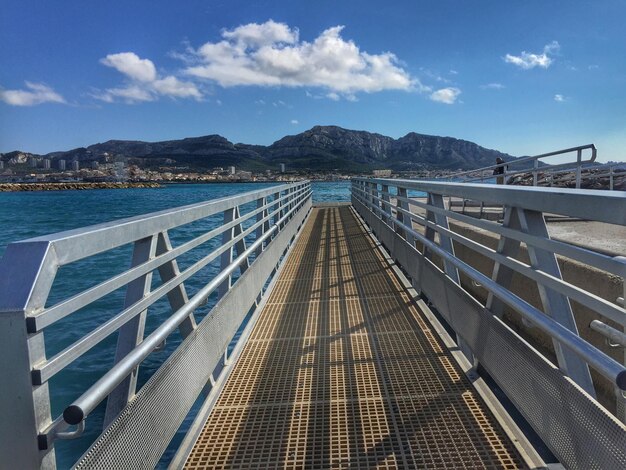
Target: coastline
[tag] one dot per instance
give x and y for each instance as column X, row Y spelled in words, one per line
column 16, row 187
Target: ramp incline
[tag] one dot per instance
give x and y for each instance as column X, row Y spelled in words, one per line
column 342, row 370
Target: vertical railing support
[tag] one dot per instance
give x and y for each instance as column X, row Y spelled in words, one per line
column 228, row 256
column 508, row 247
column 131, row 334
column 402, row 218
column 578, row 167
column 555, row 305
column 177, row 297
column 28, row 271
column 386, row 205
column 276, row 209
column 264, row 226
column 445, row 242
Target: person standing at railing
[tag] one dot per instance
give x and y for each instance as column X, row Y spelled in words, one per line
column 500, row 170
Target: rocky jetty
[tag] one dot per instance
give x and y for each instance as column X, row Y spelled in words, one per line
column 7, row 187
column 591, row 178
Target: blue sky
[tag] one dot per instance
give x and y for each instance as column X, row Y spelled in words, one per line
column 521, row 77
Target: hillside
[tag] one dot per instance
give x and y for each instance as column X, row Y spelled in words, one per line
column 320, row 148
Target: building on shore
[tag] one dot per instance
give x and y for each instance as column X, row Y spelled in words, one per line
column 61, row 164
column 46, row 164
column 245, row 175
column 33, row 162
column 282, row 167
column 382, row 173
column 75, row 165
column 231, row 170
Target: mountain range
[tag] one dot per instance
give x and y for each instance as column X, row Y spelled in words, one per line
column 322, row 148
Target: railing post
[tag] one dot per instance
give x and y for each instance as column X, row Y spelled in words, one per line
column 275, row 209
column 429, row 233
column 228, row 256
column 445, row 242
column 177, row 297
column 386, row 204
column 508, row 247
column 131, row 334
column 555, row 305
column 264, row 226
column 578, row 168
column 374, row 196
column 406, row 220
column 28, row 271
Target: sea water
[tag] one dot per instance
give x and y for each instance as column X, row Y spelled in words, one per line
column 29, row 214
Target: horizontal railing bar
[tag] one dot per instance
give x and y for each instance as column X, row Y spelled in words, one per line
column 73, row 245
column 56, row 312
column 598, row 205
column 605, row 365
column 592, row 301
column 592, row 258
column 81, row 407
column 546, row 169
column 43, row 372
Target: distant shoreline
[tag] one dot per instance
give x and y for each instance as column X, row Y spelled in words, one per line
column 18, row 187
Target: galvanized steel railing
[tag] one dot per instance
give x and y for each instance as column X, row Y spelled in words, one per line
column 530, row 166
column 257, row 225
column 417, row 232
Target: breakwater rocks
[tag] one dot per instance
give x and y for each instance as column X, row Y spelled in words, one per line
column 6, row 187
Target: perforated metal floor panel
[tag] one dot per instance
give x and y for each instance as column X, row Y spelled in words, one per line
column 343, row 371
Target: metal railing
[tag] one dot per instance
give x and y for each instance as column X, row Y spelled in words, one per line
column 540, row 171
column 240, row 251
column 418, row 234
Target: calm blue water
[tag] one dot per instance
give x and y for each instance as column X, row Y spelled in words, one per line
column 30, row 214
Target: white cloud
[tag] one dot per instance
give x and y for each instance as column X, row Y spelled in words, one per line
column 129, row 94
column 446, row 95
column 493, row 86
column 128, row 63
column 37, row 93
column 271, row 54
column 172, row 86
column 559, row 98
column 145, row 83
column 294, row 122
column 527, row 60
column 268, row 33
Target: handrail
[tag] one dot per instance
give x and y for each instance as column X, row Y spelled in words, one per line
column 470, row 175
column 86, row 403
column 589, row 204
column 397, row 212
column 29, row 268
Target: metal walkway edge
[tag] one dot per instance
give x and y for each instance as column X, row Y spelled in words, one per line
column 342, row 370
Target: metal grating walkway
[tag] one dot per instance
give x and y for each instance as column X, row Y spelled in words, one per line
column 342, row 371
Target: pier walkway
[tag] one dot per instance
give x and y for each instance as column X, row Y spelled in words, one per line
column 261, row 331
column 342, row 370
